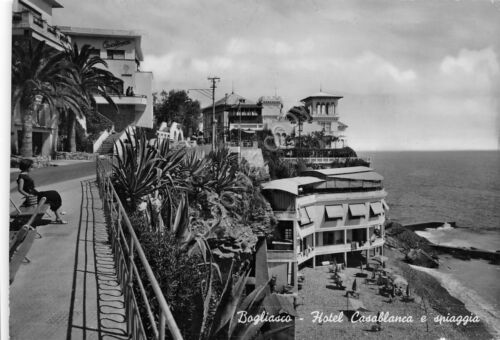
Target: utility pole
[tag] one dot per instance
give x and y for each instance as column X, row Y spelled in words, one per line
column 214, row 126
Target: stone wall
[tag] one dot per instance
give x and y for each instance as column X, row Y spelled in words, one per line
column 75, row 155
column 38, row 162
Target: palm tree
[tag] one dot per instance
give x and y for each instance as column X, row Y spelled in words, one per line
column 92, row 79
column 38, row 75
column 300, row 115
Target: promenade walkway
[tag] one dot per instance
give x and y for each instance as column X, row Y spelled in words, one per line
column 69, row 289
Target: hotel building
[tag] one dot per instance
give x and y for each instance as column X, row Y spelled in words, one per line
column 122, row 52
column 325, row 215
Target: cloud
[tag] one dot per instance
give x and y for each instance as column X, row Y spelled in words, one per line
column 470, row 73
column 414, row 74
column 471, row 61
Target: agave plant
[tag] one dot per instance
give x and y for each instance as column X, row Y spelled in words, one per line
column 141, row 169
column 223, row 324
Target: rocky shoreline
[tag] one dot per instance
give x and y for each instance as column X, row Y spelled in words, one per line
column 404, row 246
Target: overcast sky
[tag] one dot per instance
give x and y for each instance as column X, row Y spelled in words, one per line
column 415, row 75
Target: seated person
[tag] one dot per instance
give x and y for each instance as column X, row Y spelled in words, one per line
column 26, row 186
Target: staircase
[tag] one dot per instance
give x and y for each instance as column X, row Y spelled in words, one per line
column 106, row 147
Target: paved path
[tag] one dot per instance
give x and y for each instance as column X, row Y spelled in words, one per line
column 69, row 289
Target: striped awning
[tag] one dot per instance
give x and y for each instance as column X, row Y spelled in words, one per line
column 384, row 204
column 357, row 210
column 304, row 217
column 334, row 211
column 376, row 208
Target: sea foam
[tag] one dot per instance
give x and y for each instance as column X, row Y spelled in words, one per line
column 473, row 302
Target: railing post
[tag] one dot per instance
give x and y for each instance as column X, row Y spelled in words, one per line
column 162, row 326
column 130, row 283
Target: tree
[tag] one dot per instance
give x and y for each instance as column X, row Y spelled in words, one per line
column 176, row 106
column 299, row 115
column 92, row 79
column 39, row 76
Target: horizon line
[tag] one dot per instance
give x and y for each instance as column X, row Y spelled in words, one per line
column 424, row 150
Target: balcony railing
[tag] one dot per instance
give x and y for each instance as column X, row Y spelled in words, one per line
column 128, row 256
column 305, row 255
column 28, row 19
column 273, row 255
column 124, row 100
column 337, row 248
column 246, row 125
column 285, row 215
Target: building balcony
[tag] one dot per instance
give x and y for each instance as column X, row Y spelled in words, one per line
column 243, row 144
column 337, row 248
column 285, row 215
column 305, row 255
column 27, row 20
column 328, row 160
column 137, row 100
column 324, row 118
column 332, row 249
column 279, row 255
column 246, row 126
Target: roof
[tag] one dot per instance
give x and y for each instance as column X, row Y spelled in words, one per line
column 233, row 99
column 321, row 95
column 361, row 176
column 339, row 171
column 290, row 185
column 270, row 99
column 54, row 4
column 100, row 32
column 357, row 173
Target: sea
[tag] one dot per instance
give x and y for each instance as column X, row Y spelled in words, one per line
column 451, row 186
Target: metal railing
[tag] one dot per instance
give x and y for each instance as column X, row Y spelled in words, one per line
column 128, row 254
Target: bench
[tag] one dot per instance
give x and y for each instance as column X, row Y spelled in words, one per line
column 21, row 215
column 21, row 241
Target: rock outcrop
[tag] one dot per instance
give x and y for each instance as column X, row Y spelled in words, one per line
column 419, row 257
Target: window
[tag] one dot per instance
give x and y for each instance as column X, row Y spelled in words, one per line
column 304, row 217
column 376, row 209
column 116, row 54
column 328, row 238
column 357, row 210
column 288, row 234
column 334, row 212
column 94, row 52
column 384, row 204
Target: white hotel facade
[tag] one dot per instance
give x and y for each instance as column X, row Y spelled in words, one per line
column 324, row 215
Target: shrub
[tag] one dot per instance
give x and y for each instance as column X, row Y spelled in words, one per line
column 179, row 276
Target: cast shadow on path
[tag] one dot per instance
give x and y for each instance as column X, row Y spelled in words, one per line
column 97, row 303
